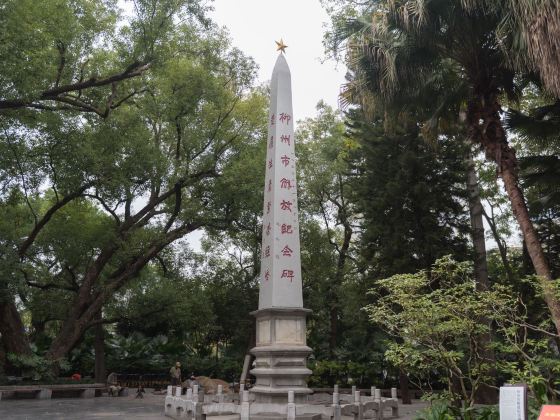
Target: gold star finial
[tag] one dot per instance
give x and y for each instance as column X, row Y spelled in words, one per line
column 280, row 46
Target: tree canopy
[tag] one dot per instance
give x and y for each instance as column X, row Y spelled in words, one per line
column 132, row 149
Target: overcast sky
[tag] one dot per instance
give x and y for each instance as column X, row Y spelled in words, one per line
column 254, row 25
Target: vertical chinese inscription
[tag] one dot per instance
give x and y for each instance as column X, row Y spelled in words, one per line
column 280, row 256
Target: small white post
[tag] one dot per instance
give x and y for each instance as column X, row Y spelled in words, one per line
column 335, row 388
column 291, row 406
column 377, row 396
column 358, row 402
column 241, row 389
column 337, row 415
column 394, row 393
column 335, row 398
column 353, row 391
column 195, row 393
column 357, row 397
column 244, row 415
column 372, row 392
column 178, row 391
column 220, row 394
column 189, row 394
column 169, row 401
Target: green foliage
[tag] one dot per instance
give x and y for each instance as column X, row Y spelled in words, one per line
column 440, row 319
column 440, row 409
column 87, row 203
column 139, row 354
column 411, row 196
column 36, row 367
column 327, row 373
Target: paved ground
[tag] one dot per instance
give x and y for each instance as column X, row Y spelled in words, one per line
column 122, row 408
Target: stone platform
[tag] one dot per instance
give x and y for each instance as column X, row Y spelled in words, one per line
column 248, row 407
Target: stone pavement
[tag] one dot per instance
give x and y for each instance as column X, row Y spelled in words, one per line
column 122, row 408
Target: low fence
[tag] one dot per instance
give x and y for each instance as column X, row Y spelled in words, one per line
column 146, row 380
column 386, row 393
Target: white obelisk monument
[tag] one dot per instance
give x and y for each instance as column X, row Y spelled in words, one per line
column 281, row 351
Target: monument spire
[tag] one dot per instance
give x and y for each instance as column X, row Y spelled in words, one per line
column 281, row 349
column 280, row 284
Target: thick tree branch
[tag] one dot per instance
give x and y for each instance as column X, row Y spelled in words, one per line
column 60, row 93
column 105, row 206
column 135, row 69
column 178, row 200
column 47, row 286
column 62, row 61
column 126, row 318
column 40, row 224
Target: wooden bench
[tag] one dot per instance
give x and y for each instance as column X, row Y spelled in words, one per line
column 45, row 392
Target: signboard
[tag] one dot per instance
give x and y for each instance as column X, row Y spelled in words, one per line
column 550, row 412
column 513, row 402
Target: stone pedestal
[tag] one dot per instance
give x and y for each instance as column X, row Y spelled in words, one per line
column 281, row 355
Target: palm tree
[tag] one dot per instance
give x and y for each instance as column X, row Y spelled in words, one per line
column 404, row 45
column 535, row 25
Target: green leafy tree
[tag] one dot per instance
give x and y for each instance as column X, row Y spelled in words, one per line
column 154, row 170
column 326, row 193
column 400, row 46
column 411, row 197
column 435, row 313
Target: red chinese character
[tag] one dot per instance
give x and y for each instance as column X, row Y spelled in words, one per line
column 272, row 119
column 267, row 275
column 285, row 118
column 267, row 252
column 286, row 205
column 287, row 274
column 270, row 163
column 286, row 251
column 270, row 185
column 271, row 142
column 285, row 138
column 286, row 229
column 285, row 160
column 285, row 183
column 268, row 229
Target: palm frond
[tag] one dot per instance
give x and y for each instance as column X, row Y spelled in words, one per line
column 542, row 127
column 543, row 174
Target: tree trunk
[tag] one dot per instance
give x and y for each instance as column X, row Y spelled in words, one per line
column 333, row 331
column 500, row 242
column 339, row 278
column 14, row 339
column 485, row 394
column 403, row 384
column 100, row 373
column 477, row 227
column 485, row 128
column 534, row 248
column 87, row 304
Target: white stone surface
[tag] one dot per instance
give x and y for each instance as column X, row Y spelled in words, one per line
column 280, row 279
column 289, row 331
column 512, row 403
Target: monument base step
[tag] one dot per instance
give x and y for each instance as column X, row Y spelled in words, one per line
column 278, row 416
